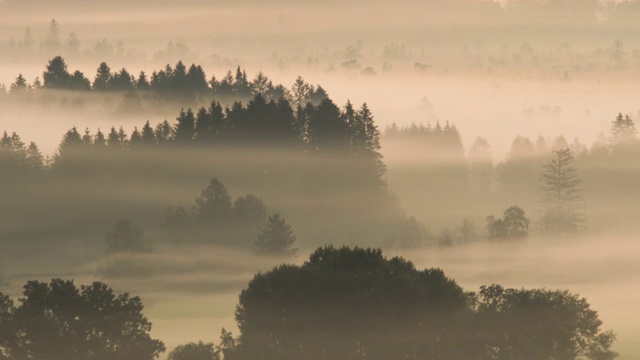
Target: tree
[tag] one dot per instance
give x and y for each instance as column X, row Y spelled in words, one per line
column 127, row 237
column 20, row 85
column 56, row 75
column 70, row 147
column 513, row 224
column 214, row 204
column 77, row 81
column 249, row 210
column 300, row 93
column 351, row 304
column 195, row 351
column 185, row 127
column 60, row 321
column 6, row 335
column 276, row 238
column 356, row 304
column 623, row 132
column 562, row 199
column 52, row 42
column 541, row 324
column 103, row 78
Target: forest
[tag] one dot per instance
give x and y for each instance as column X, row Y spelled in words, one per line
column 196, row 180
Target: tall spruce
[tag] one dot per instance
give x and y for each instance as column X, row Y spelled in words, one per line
column 562, row 200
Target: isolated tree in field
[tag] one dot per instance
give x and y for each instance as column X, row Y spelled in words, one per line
column 276, row 238
column 562, row 200
column 513, row 224
column 59, row 321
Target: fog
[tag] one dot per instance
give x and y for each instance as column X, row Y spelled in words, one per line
column 470, row 98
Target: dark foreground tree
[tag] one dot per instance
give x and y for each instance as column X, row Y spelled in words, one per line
column 58, row 321
column 276, row 238
column 562, row 200
column 195, row 351
column 541, row 324
column 348, row 304
column 352, row 304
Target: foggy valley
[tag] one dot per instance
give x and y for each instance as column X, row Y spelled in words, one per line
column 319, row 180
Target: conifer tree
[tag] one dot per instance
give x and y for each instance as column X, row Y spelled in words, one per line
column 20, row 85
column 562, row 200
column 185, row 127
column 623, row 131
column 35, row 160
column 276, row 239
column 142, row 83
column 148, row 137
column 56, row 75
column 163, row 132
column 214, row 204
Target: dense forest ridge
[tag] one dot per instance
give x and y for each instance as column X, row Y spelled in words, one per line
column 177, row 83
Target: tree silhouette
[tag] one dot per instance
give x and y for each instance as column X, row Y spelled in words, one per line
column 541, row 324
column 623, row 132
column 59, row 321
column 20, row 85
column 103, row 78
column 56, row 75
column 195, row 351
column 214, row 204
column 351, row 304
column 276, row 238
column 127, row 237
column 513, row 224
column 562, row 200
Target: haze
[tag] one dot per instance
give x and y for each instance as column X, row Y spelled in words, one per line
column 556, row 72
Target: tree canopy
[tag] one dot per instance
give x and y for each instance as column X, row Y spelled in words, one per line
column 60, row 321
column 353, row 303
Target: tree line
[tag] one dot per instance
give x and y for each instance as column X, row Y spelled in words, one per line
column 178, row 83
column 342, row 303
column 555, row 177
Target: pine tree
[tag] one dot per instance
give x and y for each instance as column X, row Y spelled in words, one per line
column 562, row 200
column 56, row 75
column 35, row 160
column 261, row 84
column 163, row 132
column 113, row 140
column 136, row 137
column 300, row 93
column 276, row 239
column 214, row 204
column 185, row 127
column 99, row 140
column 623, row 131
column 20, row 85
column 148, row 137
column 142, row 83
column 103, row 78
